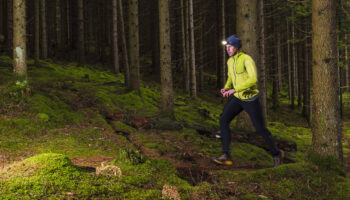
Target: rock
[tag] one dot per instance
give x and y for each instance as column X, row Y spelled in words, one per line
column 170, row 192
column 109, row 170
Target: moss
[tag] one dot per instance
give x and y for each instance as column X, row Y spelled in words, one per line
column 120, row 126
column 289, row 181
column 249, row 155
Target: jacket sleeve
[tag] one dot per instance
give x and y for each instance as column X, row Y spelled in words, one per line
column 228, row 84
column 252, row 75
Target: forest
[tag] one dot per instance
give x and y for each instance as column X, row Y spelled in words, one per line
column 124, row 99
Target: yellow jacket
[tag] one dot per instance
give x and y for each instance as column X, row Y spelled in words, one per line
column 242, row 76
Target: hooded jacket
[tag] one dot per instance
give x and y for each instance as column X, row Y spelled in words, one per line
column 242, row 76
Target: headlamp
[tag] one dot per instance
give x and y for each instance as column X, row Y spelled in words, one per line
column 224, row 42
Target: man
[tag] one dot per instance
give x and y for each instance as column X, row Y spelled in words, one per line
column 242, row 84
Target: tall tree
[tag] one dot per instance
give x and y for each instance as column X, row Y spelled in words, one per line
column 115, row 36
column 37, row 32
column 43, row 29
column 9, row 37
column 81, row 33
column 165, row 59
column 134, row 45
column 193, row 90
column 247, row 31
column 262, row 67
column 326, row 124
column 124, row 48
column 19, row 39
column 186, row 75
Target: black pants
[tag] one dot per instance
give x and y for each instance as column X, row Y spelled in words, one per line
column 253, row 108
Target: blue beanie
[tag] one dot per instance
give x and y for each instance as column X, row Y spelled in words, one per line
column 234, row 41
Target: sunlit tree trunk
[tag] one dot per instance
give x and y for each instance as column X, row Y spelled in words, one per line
column 43, row 29
column 165, row 59
column 124, row 46
column 193, row 90
column 247, row 31
column 115, row 36
column 19, row 39
column 134, row 45
column 326, row 124
column 37, row 32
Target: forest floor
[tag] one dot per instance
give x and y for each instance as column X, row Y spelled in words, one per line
column 58, row 133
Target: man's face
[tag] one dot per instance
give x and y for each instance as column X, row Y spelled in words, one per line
column 231, row 50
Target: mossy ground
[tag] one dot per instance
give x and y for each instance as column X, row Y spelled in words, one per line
column 77, row 113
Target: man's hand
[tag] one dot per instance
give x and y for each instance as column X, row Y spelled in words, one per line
column 228, row 92
column 222, row 91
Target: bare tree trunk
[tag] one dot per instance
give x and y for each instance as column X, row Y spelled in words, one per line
column 192, row 51
column 326, row 124
column 294, row 67
column 306, row 107
column 223, row 49
column 10, row 27
column 262, row 74
column 247, row 31
column 115, row 36
column 184, row 46
column 19, row 39
column 290, row 83
column 155, row 38
column 37, row 32
column 52, row 27
column 134, row 45
column 43, row 29
column 279, row 59
column 124, row 48
column 347, row 70
column 81, row 33
column 64, row 28
column 165, row 59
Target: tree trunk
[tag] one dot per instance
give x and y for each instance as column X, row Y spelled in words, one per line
column 81, row 40
column 43, row 29
column 165, row 59
column 192, row 51
column 290, row 83
column 64, row 29
column 184, row 18
column 326, row 124
column 2, row 11
column 52, row 28
column 115, row 36
column 19, row 39
column 306, row 107
column 247, row 31
column 10, row 27
column 294, row 66
column 262, row 67
column 37, row 32
column 155, row 39
column 134, row 45
column 223, row 49
column 279, row 59
column 124, row 48
column 347, row 67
